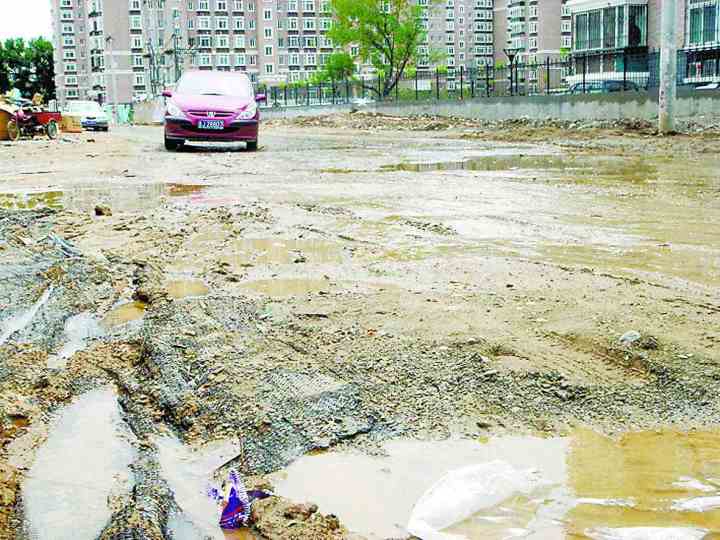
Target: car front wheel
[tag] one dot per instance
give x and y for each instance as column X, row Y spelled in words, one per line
column 252, row 145
column 172, row 144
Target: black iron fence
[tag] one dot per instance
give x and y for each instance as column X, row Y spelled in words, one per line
column 610, row 71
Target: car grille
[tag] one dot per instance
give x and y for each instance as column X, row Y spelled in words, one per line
column 215, row 114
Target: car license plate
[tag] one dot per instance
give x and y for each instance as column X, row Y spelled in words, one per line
column 211, row 124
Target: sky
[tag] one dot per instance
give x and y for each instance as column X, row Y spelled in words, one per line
column 25, row 18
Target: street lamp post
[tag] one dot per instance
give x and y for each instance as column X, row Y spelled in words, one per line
column 109, row 41
column 511, row 53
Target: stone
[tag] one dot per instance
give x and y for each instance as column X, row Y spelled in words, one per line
column 300, row 511
column 103, row 210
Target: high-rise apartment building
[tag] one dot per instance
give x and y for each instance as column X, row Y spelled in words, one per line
column 122, row 50
column 531, row 30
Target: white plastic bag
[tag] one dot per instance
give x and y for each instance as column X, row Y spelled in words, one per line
column 463, row 492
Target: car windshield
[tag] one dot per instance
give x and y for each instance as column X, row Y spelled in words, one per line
column 215, row 84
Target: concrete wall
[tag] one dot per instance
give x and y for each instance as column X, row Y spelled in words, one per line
column 590, row 107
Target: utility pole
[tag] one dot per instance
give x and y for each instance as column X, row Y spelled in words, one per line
column 113, row 77
column 668, row 68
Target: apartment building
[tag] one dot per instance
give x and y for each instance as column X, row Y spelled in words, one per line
column 124, row 50
column 531, row 30
column 459, row 35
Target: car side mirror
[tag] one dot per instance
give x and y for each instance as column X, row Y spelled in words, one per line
column 167, row 93
column 260, row 97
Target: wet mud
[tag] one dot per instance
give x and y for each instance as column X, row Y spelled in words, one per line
column 376, row 306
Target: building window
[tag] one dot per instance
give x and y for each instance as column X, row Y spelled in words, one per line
column 204, row 23
column 292, row 5
column 267, row 14
column 223, row 60
column 221, row 23
column 309, row 24
column 135, row 5
column 139, row 79
column 237, row 5
column 269, row 69
column 72, row 93
column 70, row 67
column 135, row 22
column 205, row 42
column 221, row 5
column 71, row 80
column 137, row 60
column 205, row 60
column 240, row 60
column 66, row 16
column 703, row 23
column 268, row 33
column 309, row 6
column 223, row 42
column 204, row 5
column 268, row 50
column 239, row 23
column 239, row 42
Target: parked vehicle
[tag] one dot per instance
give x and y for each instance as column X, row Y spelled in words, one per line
column 603, row 87
column 91, row 115
column 212, row 106
column 29, row 120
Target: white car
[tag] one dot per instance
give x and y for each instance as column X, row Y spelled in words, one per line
column 90, row 114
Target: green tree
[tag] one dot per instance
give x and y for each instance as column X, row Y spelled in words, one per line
column 28, row 67
column 386, row 32
column 41, row 59
column 339, row 66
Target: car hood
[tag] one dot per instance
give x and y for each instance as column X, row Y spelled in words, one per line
column 211, row 103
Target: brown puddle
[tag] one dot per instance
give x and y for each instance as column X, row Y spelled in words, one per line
column 183, row 288
column 84, row 198
column 124, row 313
column 591, row 486
column 250, row 251
column 287, row 287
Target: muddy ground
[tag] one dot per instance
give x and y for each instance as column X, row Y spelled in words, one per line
column 355, row 280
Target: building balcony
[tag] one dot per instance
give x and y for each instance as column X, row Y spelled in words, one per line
column 602, row 26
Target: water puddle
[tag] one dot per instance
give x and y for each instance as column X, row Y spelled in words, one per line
column 642, row 485
column 120, row 198
column 287, row 287
column 84, row 461
column 20, row 320
column 189, row 473
column 124, row 313
column 486, row 163
column 183, row 288
column 575, row 167
column 79, row 329
column 252, row 251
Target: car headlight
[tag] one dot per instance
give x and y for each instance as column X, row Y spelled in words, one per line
column 173, row 110
column 249, row 112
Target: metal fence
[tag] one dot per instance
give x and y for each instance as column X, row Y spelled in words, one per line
column 612, row 71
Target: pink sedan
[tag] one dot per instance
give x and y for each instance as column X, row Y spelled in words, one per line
column 212, row 106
